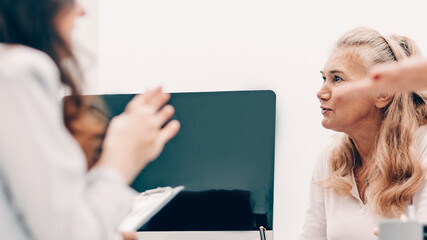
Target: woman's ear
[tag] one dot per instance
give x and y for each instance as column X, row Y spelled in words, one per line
column 383, row 99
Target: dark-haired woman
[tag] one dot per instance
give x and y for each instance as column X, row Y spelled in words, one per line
column 45, row 191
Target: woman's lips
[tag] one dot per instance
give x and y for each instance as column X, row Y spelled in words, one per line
column 325, row 110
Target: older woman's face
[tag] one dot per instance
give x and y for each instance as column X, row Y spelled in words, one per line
column 341, row 112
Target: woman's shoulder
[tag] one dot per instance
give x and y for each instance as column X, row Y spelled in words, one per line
column 326, row 151
column 421, row 131
column 331, row 144
column 18, row 62
column 420, row 139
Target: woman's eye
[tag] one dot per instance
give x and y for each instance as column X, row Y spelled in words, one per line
column 324, row 79
column 337, row 79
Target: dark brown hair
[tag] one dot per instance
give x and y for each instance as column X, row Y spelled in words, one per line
column 31, row 23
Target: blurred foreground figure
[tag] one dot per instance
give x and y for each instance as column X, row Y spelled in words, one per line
column 46, row 191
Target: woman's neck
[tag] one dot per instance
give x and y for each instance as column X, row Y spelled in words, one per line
column 364, row 141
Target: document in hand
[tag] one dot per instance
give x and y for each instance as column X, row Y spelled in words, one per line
column 146, row 205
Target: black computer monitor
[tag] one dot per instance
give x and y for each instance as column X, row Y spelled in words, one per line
column 223, row 155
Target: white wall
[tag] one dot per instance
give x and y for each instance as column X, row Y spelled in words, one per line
column 205, row 45
column 86, row 43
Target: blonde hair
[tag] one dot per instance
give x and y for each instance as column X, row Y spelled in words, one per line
column 396, row 171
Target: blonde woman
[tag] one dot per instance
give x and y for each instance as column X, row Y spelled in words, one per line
column 373, row 168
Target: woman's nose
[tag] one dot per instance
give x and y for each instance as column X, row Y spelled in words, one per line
column 324, row 94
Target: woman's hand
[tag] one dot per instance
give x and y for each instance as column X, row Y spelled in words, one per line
column 129, row 236
column 408, row 75
column 136, row 137
column 403, row 218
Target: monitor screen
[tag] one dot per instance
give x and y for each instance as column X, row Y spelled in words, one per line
column 223, row 156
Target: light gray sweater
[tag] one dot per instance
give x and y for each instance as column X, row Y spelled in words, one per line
column 45, row 191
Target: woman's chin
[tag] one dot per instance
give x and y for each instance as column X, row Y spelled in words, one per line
column 327, row 124
column 332, row 127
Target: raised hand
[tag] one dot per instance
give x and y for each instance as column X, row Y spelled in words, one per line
column 136, row 137
column 408, row 75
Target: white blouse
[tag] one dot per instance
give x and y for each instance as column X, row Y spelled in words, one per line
column 45, row 191
column 334, row 217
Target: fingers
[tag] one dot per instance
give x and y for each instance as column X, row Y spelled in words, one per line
column 385, row 74
column 129, row 236
column 376, row 231
column 169, row 131
column 140, row 99
column 159, row 117
column 356, row 89
column 151, row 105
column 165, row 114
column 403, row 76
column 403, row 218
column 147, row 96
column 399, row 77
column 158, row 100
column 153, row 99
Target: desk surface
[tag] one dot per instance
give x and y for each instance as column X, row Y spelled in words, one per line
column 215, row 235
